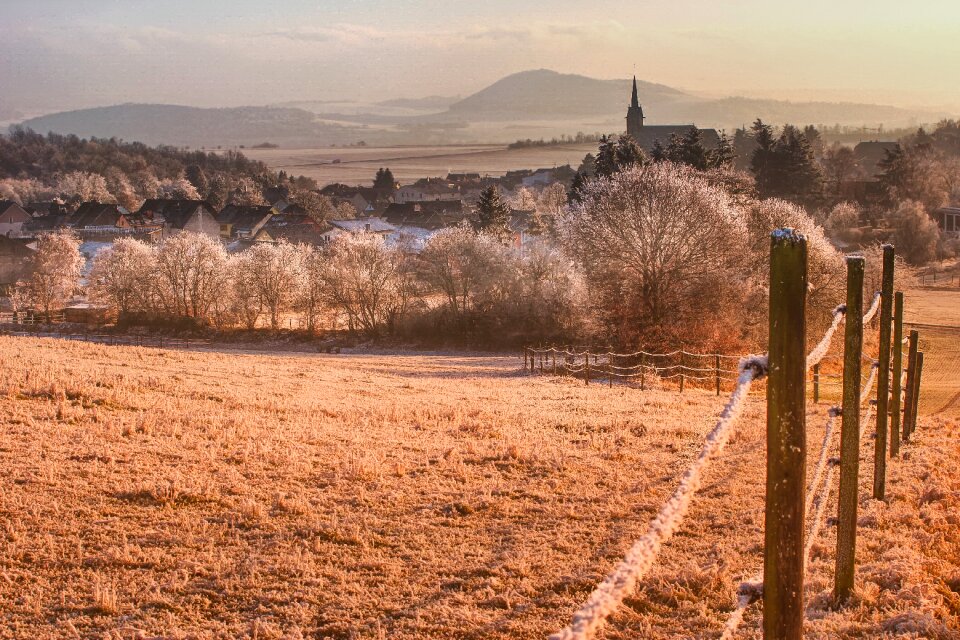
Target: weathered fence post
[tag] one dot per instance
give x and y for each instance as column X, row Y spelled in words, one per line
column 883, row 376
column 681, row 369
column 717, row 366
column 586, row 368
column 908, row 392
column 542, row 355
column 643, row 373
column 816, row 383
column 610, row 368
column 896, row 374
column 554, row 362
column 786, row 440
column 916, row 393
column 850, row 433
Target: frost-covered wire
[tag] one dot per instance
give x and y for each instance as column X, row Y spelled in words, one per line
column 872, row 311
column 818, row 517
column 620, row 583
column 823, row 346
column 833, row 414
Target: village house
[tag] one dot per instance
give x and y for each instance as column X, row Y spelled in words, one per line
column 95, row 221
column 177, row 215
column 427, row 189
column 239, row 222
column 15, row 255
column 365, row 200
column 12, row 219
column 416, row 222
column 294, row 228
column 948, row 219
column 376, row 226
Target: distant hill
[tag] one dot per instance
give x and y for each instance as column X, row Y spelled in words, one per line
column 545, row 95
column 155, row 124
column 539, row 103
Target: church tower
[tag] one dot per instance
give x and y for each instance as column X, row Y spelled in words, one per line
column 634, row 114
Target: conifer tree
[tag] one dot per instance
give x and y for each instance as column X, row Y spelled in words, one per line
column 575, row 194
column 384, row 180
column 493, row 215
column 658, row 153
column 724, row 155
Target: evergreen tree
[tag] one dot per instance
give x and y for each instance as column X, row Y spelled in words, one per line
column 629, row 153
column 724, row 155
column 589, row 166
column 493, row 215
column 575, row 195
column 658, row 153
column 613, row 157
column 688, row 149
column 195, row 175
column 606, row 161
column 384, row 180
column 785, row 166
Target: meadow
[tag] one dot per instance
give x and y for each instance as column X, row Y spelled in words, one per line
column 359, row 164
column 154, row 493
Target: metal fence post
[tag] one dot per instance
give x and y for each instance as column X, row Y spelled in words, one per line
column 850, row 433
column 786, row 440
column 897, row 373
column 883, row 376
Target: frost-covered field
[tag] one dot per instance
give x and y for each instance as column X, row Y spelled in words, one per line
column 359, row 164
column 216, row 494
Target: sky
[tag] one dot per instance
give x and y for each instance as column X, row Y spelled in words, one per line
column 65, row 54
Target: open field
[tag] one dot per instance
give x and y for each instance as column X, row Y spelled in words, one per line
column 359, row 164
column 204, row 494
column 935, row 313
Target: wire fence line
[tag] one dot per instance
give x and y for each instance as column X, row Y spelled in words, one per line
column 618, row 584
column 610, row 593
column 751, row 590
column 157, row 342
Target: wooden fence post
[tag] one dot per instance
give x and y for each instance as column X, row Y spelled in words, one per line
column 541, row 362
column 786, row 439
column 716, row 363
column 897, row 373
column 850, row 433
column 643, row 372
column 816, row 383
column 610, row 368
column 908, row 392
column 916, row 393
column 586, row 368
column 681, row 369
column 554, row 362
column 883, row 376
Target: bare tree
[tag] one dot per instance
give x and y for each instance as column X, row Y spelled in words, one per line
column 839, row 165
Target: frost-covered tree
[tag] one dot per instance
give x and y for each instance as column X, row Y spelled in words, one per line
column 191, row 272
column 524, row 200
column 123, row 277
column 310, row 296
column 55, row 272
column 122, row 189
column 25, row 190
column 276, row 271
column 366, row 281
column 657, row 243
column 915, row 234
column 843, row 221
column 465, row 267
column 177, row 189
column 80, row 186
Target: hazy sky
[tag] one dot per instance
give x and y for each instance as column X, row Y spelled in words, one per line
column 59, row 54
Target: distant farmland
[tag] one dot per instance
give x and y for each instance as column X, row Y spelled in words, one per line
column 358, row 164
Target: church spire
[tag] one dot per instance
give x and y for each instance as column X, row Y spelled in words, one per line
column 634, row 100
